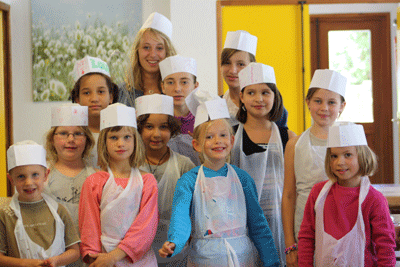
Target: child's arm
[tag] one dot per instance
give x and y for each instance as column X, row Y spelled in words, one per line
column 69, row 256
column 382, row 231
column 140, row 236
column 16, row 262
column 259, row 231
column 180, row 226
column 306, row 246
column 167, row 249
column 289, row 202
column 89, row 214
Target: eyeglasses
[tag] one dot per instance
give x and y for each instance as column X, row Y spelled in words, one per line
column 76, row 135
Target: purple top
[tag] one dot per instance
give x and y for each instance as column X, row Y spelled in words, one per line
column 187, row 123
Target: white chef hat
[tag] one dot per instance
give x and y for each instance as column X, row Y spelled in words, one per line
column 241, row 40
column 206, row 106
column 117, row 115
column 158, row 22
column 329, row 80
column 343, row 134
column 256, row 73
column 154, row 104
column 24, row 153
column 174, row 64
column 69, row 115
column 90, row 64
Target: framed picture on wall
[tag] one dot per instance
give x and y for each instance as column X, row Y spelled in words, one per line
column 64, row 31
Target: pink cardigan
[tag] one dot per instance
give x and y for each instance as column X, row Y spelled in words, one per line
column 140, row 235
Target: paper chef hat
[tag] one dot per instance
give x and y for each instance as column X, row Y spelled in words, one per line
column 177, row 63
column 343, row 134
column 154, row 104
column 256, row 73
column 117, row 115
column 69, row 115
column 329, row 80
column 158, row 22
column 204, row 106
column 25, row 153
column 90, row 65
column 241, row 40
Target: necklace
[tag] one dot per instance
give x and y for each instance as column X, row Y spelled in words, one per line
column 158, row 164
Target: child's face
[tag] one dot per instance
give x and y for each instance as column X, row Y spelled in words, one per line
column 120, row 145
column 344, row 164
column 258, row 99
column 94, row 93
column 29, row 181
column 325, row 106
column 69, row 142
column 236, row 63
column 156, row 132
column 179, row 85
column 218, row 142
column 151, row 51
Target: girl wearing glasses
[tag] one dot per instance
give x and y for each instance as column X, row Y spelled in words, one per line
column 68, row 145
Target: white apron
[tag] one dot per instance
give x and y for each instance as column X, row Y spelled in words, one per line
column 118, row 209
column 182, row 144
column 166, row 189
column 309, row 169
column 267, row 170
column 347, row 251
column 29, row 249
column 219, row 223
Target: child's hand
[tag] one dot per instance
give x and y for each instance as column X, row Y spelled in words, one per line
column 48, row 263
column 102, row 260
column 167, row 249
column 190, row 133
column 291, row 259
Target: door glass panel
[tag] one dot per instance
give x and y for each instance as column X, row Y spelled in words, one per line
column 350, row 54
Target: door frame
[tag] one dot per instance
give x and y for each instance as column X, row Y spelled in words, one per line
column 5, row 8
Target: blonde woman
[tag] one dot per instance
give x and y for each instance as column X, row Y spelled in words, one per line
column 152, row 44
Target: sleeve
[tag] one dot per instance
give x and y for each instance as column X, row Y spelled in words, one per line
column 140, row 236
column 181, row 226
column 257, row 224
column 89, row 213
column 306, row 245
column 71, row 236
column 382, row 231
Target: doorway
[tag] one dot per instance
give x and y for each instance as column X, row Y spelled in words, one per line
column 366, row 62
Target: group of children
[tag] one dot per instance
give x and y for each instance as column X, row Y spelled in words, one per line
column 158, row 189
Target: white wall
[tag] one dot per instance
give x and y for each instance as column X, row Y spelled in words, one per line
column 195, row 35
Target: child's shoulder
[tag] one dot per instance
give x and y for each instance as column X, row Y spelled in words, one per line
column 316, row 189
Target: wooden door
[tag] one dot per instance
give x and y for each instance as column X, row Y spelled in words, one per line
column 376, row 119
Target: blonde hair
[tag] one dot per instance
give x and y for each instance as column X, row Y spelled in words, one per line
column 51, row 152
column 367, row 161
column 133, row 77
column 138, row 155
column 199, row 135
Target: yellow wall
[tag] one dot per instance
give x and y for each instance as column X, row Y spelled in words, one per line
column 3, row 170
column 278, row 28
